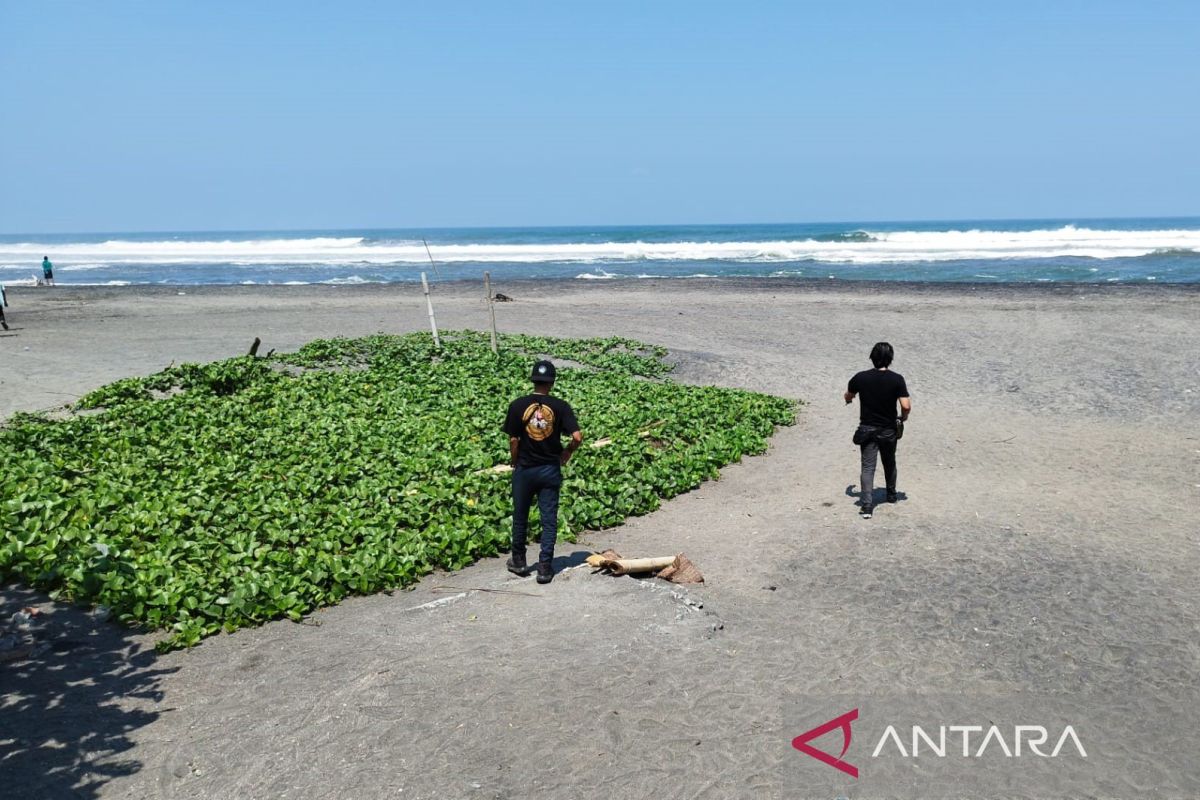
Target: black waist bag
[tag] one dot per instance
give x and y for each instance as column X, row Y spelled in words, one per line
column 865, row 434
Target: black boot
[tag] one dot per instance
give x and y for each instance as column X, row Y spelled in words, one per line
column 545, row 572
column 516, row 563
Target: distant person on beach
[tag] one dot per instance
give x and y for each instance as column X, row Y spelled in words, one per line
column 879, row 428
column 47, row 271
column 535, row 424
column 3, row 303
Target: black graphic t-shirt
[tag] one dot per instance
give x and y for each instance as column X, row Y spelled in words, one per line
column 539, row 420
column 878, row 390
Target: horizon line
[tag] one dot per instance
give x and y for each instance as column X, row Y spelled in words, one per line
column 921, row 221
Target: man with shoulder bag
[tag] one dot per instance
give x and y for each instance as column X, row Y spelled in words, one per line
column 879, row 427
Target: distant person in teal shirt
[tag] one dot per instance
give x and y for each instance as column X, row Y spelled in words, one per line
column 47, row 271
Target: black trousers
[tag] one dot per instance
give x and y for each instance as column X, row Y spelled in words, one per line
column 885, row 449
column 542, row 482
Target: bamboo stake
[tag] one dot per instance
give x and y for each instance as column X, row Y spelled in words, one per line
column 429, row 304
column 487, row 288
column 432, row 263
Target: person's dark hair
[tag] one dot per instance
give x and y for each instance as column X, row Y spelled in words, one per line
column 881, row 355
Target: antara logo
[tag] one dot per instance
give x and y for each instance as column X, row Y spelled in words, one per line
column 801, row 742
column 1030, row 737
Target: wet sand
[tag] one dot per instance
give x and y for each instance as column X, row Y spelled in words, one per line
column 1044, row 545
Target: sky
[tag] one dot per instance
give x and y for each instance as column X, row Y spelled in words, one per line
column 145, row 116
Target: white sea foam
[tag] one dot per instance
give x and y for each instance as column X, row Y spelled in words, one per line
column 346, row 281
column 877, row 248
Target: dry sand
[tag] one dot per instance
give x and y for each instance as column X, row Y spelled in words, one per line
column 1043, row 560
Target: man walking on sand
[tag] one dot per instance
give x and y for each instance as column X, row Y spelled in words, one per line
column 535, row 425
column 878, row 391
column 47, row 271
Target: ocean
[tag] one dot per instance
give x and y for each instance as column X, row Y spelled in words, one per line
column 1065, row 251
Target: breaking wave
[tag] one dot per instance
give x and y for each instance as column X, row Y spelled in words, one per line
column 855, row 247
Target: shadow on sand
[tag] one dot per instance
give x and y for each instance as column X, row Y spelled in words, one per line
column 68, row 708
column 566, row 562
column 878, row 497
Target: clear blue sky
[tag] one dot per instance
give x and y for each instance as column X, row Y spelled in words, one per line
column 120, row 116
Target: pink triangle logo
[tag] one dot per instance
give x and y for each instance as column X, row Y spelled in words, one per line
column 801, row 742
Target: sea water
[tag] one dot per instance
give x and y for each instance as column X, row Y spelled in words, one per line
column 1067, row 251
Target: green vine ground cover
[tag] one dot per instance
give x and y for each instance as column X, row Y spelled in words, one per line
column 212, row 497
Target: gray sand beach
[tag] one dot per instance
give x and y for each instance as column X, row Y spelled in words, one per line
column 1043, row 555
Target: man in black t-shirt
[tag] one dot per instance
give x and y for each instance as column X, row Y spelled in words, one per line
column 878, row 390
column 535, row 425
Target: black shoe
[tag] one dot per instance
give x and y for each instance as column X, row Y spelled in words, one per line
column 517, row 566
column 891, row 497
column 545, row 572
column 866, row 512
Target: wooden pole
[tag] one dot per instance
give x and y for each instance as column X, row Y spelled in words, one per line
column 254, row 346
column 429, row 304
column 487, row 287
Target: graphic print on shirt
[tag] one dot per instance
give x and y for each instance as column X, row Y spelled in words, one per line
column 539, row 421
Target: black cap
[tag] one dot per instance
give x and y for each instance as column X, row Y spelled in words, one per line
column 543, row 372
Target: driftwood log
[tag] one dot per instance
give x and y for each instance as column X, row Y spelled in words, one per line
column 630, row 566
column 677, row 568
